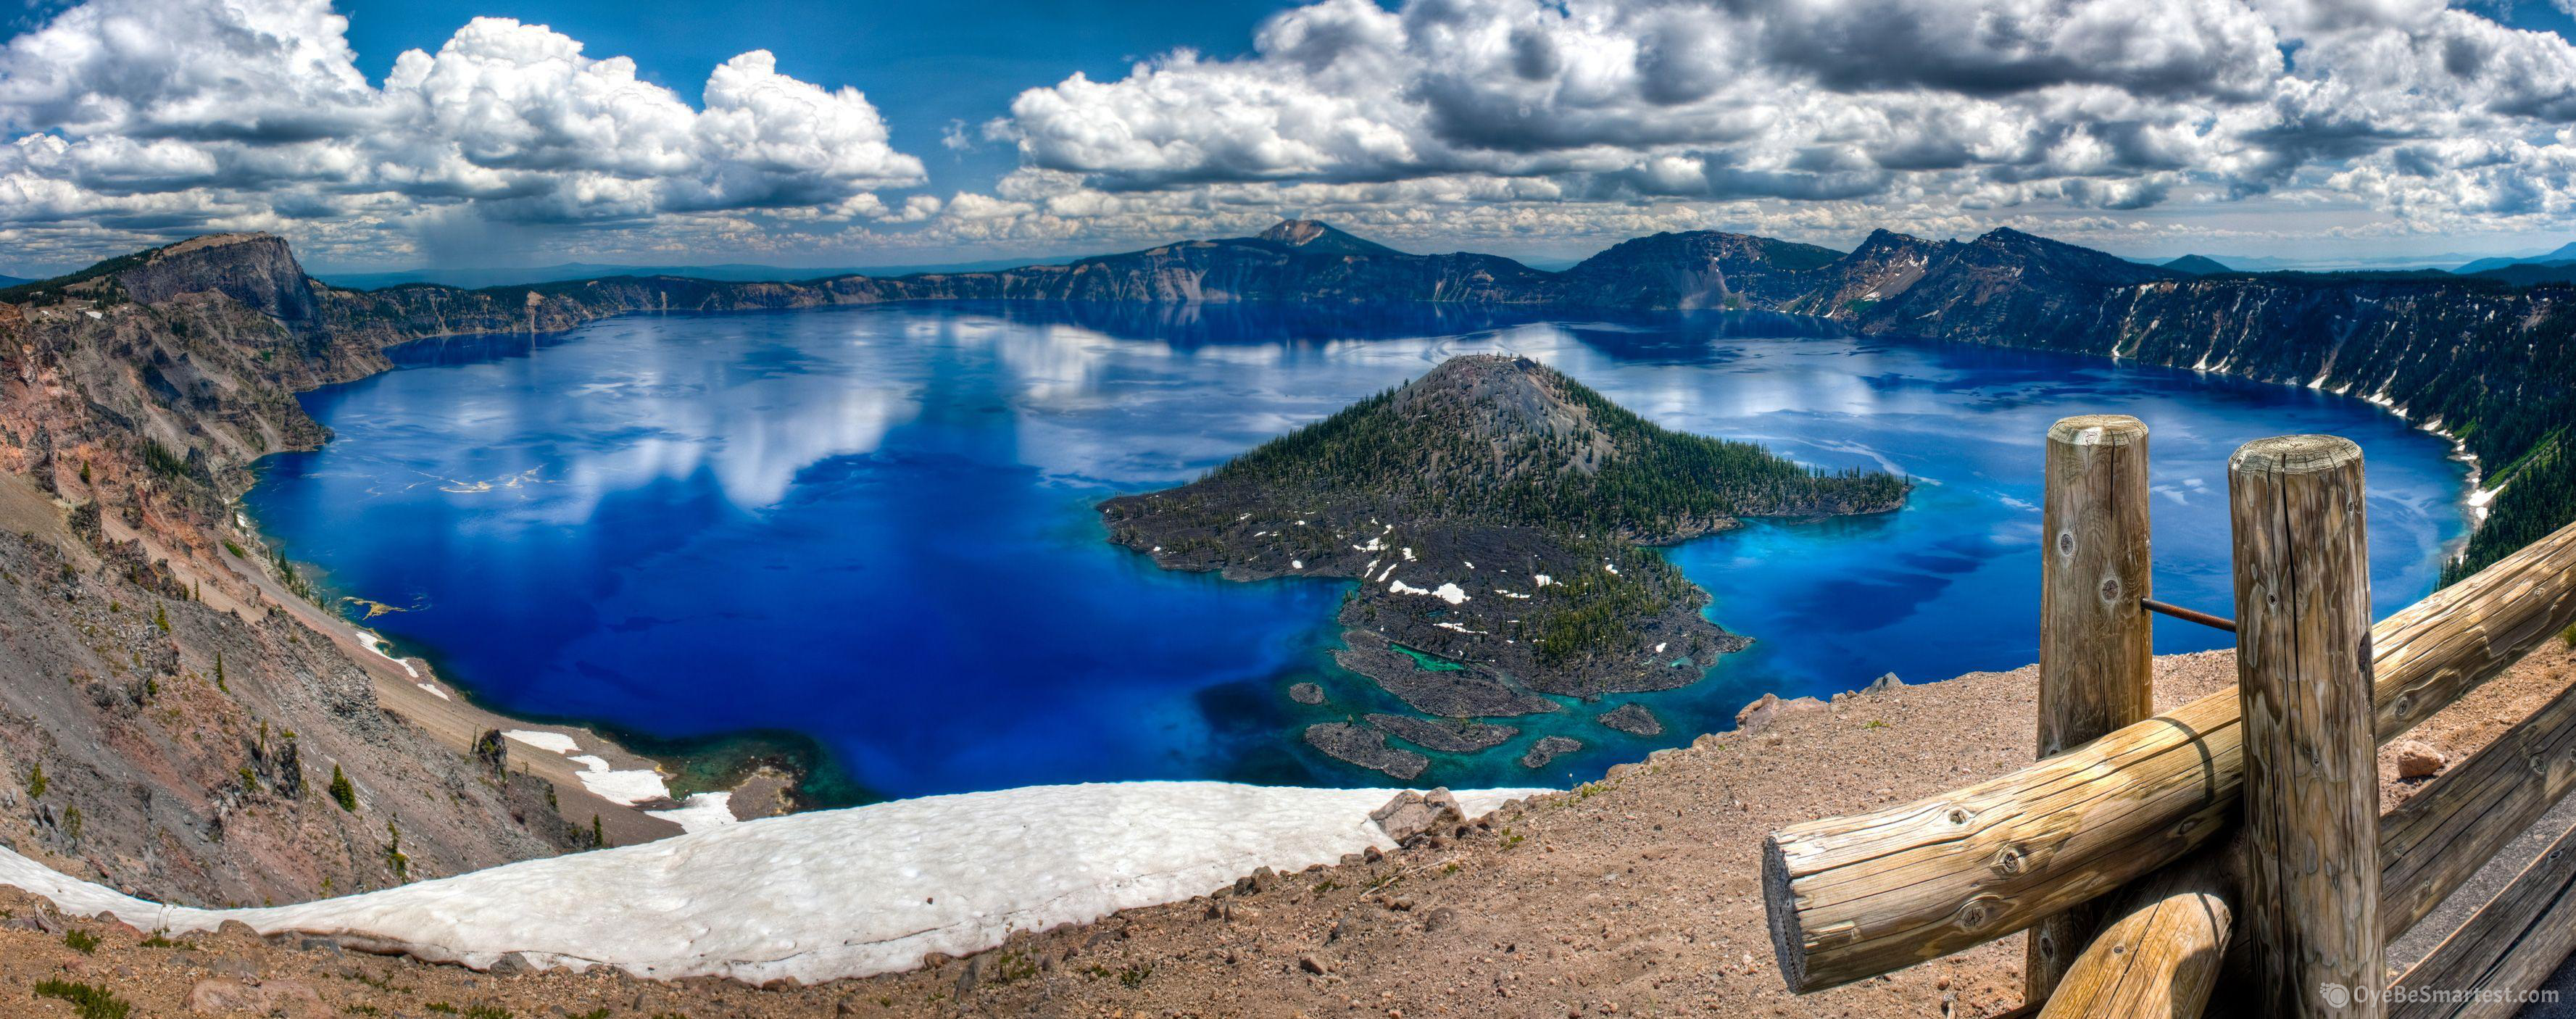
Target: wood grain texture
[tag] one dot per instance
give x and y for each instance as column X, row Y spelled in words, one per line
column 2159, row 956
column 2431, row 844
column 2311, row 789
column 1857, row 896
column 2096, row 643
column 2509, row 946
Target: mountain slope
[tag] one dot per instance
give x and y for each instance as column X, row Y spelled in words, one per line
column 1492, row 511
column 2197, row 265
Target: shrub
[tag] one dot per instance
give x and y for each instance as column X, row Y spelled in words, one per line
column 2569, row 635
column 36, row 783
column 87, row 1001
column 342, row 792
column 83, row 942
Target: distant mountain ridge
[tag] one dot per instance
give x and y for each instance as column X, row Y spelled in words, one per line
column 2197, row 265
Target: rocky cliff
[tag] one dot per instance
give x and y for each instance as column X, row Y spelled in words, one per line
column 173, row 720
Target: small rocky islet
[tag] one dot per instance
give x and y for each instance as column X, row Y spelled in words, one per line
column 1496, row 515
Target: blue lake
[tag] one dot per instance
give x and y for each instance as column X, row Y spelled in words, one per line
column 870, row 530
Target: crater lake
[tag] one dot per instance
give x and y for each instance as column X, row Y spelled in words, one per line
column 871, row 532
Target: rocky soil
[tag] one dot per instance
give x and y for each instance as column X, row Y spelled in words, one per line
column 1636, row 895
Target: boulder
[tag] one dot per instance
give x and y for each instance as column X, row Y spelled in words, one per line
column 1770, row 709
column 1883, row 684
column 1411, row 814
column 2416, row 759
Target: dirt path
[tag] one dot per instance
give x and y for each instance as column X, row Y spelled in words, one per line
column 1637, row 895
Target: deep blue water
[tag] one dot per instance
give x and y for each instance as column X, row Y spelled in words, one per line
column 872, row 527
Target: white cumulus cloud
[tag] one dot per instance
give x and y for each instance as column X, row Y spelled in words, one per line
column 153, row 115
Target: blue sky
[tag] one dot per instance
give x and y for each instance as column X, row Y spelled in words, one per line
column 514, row 132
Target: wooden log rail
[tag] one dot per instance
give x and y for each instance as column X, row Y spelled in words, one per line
column 1858, row 896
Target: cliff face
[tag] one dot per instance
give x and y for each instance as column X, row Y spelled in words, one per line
column 254, row 269
column 170, row 719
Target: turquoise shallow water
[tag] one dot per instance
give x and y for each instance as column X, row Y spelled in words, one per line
column 870, row 529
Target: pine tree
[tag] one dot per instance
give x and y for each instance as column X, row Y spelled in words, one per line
column 342, row 792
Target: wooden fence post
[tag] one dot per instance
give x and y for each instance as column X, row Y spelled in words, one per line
column 2096, row 645
column 2303, row 663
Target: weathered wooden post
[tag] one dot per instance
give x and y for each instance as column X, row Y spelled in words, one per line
column 2303, row 663
column 2096, row 654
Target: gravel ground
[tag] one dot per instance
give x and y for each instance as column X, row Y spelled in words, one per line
column 1638, row 894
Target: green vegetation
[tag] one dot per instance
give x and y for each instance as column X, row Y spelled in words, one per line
column 163, row 460
column 598, row 835
column 50, row 291
column 2539, row 498
column 235, row 549
column 394, row 856
column 161, row 617
column 219, row 673
column 1619, row 473
column 88, row 1001
column 2568, row 635
column 83, row 942
column 288, row 576
column 37, row 783
column 343, row 793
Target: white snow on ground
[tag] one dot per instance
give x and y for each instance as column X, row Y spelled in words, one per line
column 552, row 742
column 640, row 785
column 1447, row 592
column 368, row 639
column 1543, row 579
column 825, row 895
column 701, row 812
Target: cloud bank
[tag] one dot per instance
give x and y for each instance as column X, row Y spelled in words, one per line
column 1421, row 120
column 1825, row 114
column 142, row 116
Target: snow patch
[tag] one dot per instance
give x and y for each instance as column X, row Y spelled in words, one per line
column 551, row 742
column 826, row 895
column 701, row 812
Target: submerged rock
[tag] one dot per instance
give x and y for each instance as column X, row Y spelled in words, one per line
column 1447, row 735
column 1634, row 719
column 1306, row 693
column 1549, row 748
column 1366, row 747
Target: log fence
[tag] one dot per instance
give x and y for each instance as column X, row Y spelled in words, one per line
column 2237, row 836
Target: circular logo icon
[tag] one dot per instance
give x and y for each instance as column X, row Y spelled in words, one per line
column 2336, row 995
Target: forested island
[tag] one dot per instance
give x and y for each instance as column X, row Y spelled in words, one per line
column 1493, row 512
